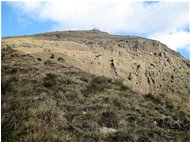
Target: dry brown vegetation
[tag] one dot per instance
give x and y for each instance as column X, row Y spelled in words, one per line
column 145, row 65
column 48, row 100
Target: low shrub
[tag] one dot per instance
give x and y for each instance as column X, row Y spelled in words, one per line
column 8, row 86
column 97, row 85
column 9, row 132
column 155, row 99
column 109, row 119
column 121, row 85
column 50, row 80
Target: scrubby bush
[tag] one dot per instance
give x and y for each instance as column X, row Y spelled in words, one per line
column 97, row 85
column 102, row 80
column 8, row 86
column 109, row 119
column 67, row 81
column 121, row 85
column 50, row 80
column 9, row 132
column 154, row 98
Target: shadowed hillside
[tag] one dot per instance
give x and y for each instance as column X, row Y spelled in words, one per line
column 93, row 86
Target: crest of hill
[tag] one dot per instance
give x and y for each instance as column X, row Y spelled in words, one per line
column 95, row 35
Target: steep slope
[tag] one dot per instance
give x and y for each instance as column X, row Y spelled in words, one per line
column 54, row 101
column 145, row 65
column 93, row 86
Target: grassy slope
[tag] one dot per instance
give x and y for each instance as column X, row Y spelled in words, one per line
column 52, row 101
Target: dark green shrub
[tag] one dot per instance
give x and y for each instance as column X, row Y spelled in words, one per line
column 124, row 87
column 117, row 82
column 8, row 86
column 97, row 85
column 101, row 80
column 109, row 119
column 50, row 80
column 121, row 85
column 67, row 81
column 151, row 97
column 9, row 132
column 94, row 88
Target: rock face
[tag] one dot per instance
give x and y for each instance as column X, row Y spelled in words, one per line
column 145, row 65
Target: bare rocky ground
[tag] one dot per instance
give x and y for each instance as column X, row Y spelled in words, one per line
column 93, row 86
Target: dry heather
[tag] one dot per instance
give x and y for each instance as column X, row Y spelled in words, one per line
column 51, row 94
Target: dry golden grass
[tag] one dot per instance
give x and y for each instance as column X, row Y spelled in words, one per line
column 95, row 56
column 58, row 102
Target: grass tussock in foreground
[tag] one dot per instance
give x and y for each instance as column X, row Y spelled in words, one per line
column 43, row 102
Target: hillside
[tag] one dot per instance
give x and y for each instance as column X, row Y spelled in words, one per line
column 93, row 86
column 145, row 65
